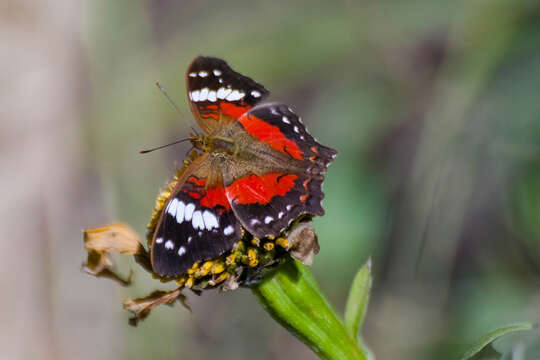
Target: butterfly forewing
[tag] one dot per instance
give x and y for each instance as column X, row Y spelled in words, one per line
column 215, row 92
column 196, row 224
column 267, row 204
column 277, row 125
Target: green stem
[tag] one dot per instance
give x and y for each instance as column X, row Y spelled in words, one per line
column 293, row 298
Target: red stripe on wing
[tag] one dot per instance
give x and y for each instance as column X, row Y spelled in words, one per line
column 196, row 181
column 209, row 198
column 260, row 189
column 193, row 194
column 215, row 197
column 232, row 110
column 271, row 135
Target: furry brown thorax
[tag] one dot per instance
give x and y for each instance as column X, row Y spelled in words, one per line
column 214, row 144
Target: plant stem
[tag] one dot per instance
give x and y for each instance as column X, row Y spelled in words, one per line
column 293, row 298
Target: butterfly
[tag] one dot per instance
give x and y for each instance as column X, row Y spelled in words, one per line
column 258, row 169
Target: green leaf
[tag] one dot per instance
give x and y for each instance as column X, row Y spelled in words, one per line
column 493, row 335
column 527, row 342
column 357, row 303
column 293, row 298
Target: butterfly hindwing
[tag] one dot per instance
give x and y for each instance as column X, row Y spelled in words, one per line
column 267, row 204
column 215, row 90
column 196, row 224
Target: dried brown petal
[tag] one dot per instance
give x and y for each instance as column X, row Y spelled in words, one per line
column 112, row 238
column 141, row 307
column 102, row 241
column 304, row 244
column 106, row 272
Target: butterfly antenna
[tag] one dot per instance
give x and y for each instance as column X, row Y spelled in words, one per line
column 162, row 146
column 164, row 92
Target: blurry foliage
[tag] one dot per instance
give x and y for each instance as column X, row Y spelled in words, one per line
column 435, row 109
column 515, row 341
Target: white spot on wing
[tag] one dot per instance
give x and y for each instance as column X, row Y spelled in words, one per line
column 169, row 245
column 228, row 230
column 217, row 72
column 181, row 251
column 189, row 211
column 210, row 220
column 198, row 222
column 288, row 207
column 212, row 95
column 302, row 137
column 220, row 81
column 274, row 111
column 235, row 95
column 159, row 240
column 255, row 93
column 285, row 120
column 268, row 219
column 192, row 74
column 194, row 95
column 204, row 94
column 255, row 221
column 203, row 73
column 280, row 215
column 180, row 212
column 171, row 208
column 296, row 129
column 222, row 93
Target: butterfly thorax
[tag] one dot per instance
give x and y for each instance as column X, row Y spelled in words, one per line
column 218, row 145
column 236, row 150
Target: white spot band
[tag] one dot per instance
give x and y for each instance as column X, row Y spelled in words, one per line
column 189, row 211
column 210, row 220
column 181, row 251
column 228, row 230
column 198, row 222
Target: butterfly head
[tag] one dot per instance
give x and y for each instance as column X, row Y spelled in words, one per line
column 199, row 142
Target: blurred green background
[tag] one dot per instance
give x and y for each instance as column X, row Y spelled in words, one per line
column 434, row 107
